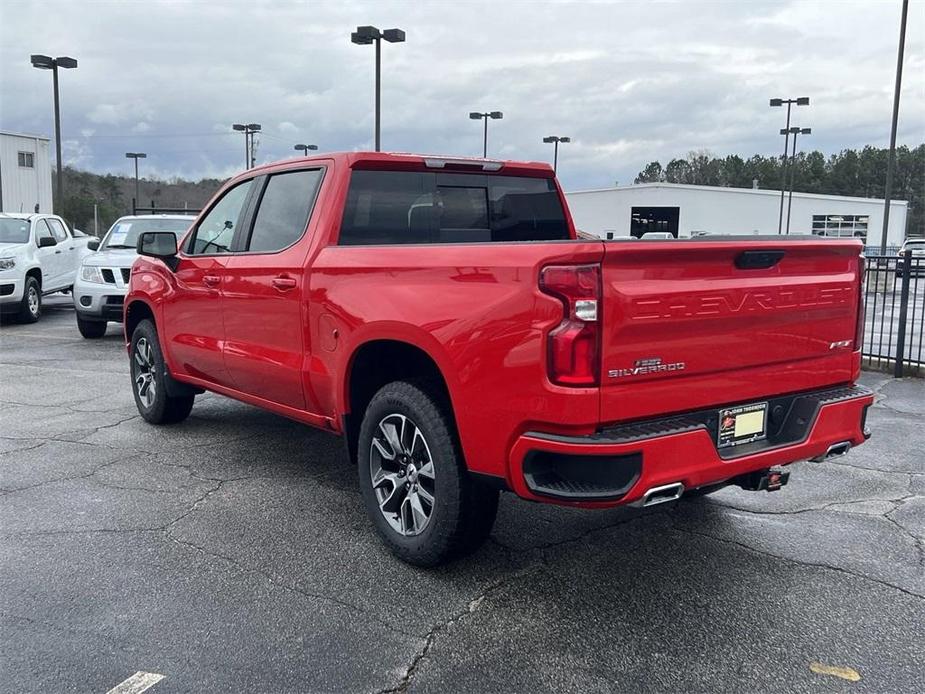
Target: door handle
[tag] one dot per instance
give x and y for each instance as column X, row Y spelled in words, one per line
column 283, row 283
column 57, row 252
column 211, row 280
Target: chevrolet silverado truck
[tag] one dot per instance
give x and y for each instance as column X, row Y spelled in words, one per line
column 444, row 318
column 39, row 255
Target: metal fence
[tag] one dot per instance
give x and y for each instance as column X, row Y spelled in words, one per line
column 894, row 302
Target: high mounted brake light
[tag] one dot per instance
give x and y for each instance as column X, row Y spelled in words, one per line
column 573, row 346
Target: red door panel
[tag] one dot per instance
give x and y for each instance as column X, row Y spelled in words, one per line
column 193, row 329
column 263, row 325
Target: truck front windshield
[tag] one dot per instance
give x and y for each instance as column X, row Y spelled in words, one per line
column 14, row 230
column 124, row 233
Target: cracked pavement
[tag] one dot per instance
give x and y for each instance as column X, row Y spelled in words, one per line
column 232, row 553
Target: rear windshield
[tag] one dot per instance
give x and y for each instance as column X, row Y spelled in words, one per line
column 391, row 207
column 124, row 233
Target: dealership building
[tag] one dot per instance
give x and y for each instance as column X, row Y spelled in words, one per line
column 25, row 173
column 685, row 210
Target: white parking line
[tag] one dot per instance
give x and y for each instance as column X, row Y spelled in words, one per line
column 137, row 683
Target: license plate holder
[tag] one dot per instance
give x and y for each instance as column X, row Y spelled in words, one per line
column 742, row 424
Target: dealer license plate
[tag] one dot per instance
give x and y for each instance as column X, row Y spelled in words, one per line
column 743, row 424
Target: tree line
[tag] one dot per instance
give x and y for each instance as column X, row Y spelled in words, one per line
column 113, row 195
column 857, row 173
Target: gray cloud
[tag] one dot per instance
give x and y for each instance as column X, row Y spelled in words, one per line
column 629, row 82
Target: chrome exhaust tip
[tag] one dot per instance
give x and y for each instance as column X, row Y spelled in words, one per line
column 661, row 495
column 836, row 450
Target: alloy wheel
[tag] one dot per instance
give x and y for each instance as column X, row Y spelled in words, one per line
column 32, row 301
column 143, row 367
column 402, row 472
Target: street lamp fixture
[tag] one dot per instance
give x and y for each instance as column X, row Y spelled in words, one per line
column 799, row 101
column 46, row 62
column 793, row 131
column 250, row 154
column 136, row 156
column 305, row 148
column 366, row 35
column 494, row 115
column 555, row 140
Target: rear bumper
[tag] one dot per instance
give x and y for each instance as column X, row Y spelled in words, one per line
column 618, row 465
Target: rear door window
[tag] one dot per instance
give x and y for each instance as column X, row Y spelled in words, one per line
column 397, row 207
column 282, row 215
column 57, row 228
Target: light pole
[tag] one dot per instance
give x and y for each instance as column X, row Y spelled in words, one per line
column 136, row 156
column 248, row 129
column 793, row 131
column 800, row 101
column 366, row 35
column 891, row 161
column 304, row 149
column 555, row 139
column 475, row 115
column 45, row 62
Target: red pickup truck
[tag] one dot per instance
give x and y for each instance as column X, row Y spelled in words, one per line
column 442, row 316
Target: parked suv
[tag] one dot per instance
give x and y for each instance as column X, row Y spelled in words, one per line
column 442, row 316
column 101, row 285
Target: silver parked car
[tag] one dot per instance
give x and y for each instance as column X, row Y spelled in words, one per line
column 103, row 279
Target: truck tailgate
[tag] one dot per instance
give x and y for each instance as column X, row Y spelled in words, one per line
column 693, row 324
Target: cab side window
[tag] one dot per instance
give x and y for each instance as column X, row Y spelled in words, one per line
column 42, row 230
column 215, row 232
column 283, row 212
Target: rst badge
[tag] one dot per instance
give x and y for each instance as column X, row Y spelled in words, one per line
column 647, row 366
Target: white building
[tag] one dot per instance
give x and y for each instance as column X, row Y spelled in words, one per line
column 687, row 211
column 25, row 173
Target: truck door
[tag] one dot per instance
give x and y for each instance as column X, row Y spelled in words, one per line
column 68, row 258
column 193, row 332
column 50, row 257
column 265, row 290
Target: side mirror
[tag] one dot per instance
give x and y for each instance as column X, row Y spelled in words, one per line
column 158, row 244
column 93, row 244
column 47, row 242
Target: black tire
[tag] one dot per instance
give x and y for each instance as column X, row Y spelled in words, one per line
column 91, row 329
column 147, row 363
column 30, row 309
column 463, row 511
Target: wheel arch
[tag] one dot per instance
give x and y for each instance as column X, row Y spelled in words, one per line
column 136, row 312
column 36, row 272
column 375, row 363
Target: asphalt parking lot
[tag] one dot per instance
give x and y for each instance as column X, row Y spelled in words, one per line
column 232, row 553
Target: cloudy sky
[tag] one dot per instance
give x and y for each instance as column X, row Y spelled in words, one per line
column 629, row 82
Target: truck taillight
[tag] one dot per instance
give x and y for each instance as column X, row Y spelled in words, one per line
column 574, row 344
column 862, row 316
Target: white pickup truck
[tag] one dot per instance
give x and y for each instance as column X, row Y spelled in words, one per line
column 38, row 255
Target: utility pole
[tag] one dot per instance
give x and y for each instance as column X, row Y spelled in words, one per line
column 250, row 151
column 891, row 162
